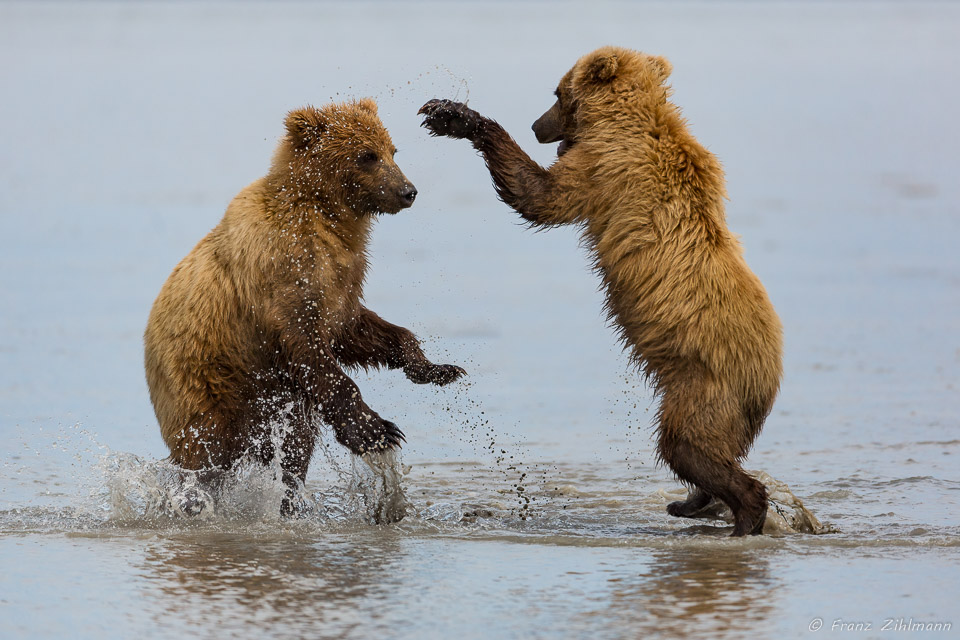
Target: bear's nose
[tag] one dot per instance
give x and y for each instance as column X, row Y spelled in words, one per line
column 409, row 194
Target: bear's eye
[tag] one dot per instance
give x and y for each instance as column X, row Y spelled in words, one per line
column 368, row 157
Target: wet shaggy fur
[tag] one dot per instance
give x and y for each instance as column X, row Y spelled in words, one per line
column 650, row 201
column 247, row 341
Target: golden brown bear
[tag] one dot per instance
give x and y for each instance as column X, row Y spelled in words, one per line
column 650, row 201
column 246, row 343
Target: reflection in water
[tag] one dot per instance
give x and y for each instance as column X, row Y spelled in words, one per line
column 227, row 582
column 687, row 591
column 371, row 582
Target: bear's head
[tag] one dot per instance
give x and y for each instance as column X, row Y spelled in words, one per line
column 596, row 87
column 341, row 153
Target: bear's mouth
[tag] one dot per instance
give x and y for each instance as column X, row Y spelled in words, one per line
column 564, row 146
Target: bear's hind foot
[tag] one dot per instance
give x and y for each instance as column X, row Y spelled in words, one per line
column 295, row 503
column 191, row 502
column 692, row 506
column 750, row 524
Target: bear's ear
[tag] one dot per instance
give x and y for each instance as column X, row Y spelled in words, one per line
column 661, row 66
column 304, row 126
column 602, row 68
column 368, row 104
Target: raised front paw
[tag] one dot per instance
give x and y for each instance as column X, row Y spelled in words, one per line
column 449, row 118
column 438, row 374
column 369, row 435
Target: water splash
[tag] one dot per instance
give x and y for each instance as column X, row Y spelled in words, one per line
column 149, row 493
column 441, row 80
column 383, row 492
column 142, row 492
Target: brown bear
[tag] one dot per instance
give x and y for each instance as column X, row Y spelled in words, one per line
column 247, row 341
column 650, row 201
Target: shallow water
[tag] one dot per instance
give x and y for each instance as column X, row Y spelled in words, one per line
column 534, row 504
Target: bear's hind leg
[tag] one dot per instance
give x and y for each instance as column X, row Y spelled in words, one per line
column 749, row 519
column 297, row 451
column 746, row 497
column 210, row 440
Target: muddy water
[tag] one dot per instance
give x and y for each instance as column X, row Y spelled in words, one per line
column 534, row 505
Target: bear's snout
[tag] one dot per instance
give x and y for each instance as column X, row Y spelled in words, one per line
column 547, row 127
column 408, row 194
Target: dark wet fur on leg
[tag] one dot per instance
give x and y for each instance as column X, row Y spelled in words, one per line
column 746, row 497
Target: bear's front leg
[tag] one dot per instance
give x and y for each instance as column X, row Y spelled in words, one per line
column 364, row 431
column 520, row 182
column 370, row 341
column 313, row 368
column 356, row 425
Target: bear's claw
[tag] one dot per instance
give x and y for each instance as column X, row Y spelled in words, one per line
column 446, row 373
column 371, row 435
column 386, row 436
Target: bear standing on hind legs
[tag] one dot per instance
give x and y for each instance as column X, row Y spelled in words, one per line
column 649, row 199
column 248, row 339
